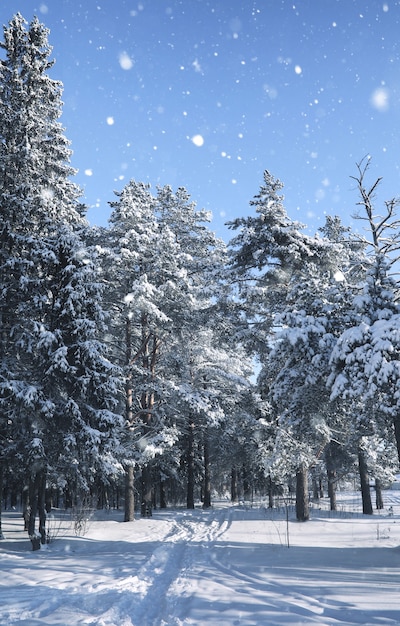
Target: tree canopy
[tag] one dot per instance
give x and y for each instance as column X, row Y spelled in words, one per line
column 152, row 359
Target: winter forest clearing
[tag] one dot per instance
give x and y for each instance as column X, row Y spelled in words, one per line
column 149, row 365
column 227, row 566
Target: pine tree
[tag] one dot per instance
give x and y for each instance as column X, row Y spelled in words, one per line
column 211, row 373
column 80, row 386
column 268, row 249
column 51, row 364
column 365, row 361
column 168, row 268
column 150, row 286
column 272, row 260
column 298, row 369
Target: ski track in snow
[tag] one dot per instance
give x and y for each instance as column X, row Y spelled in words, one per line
column 139, row 599
column 181, row 545
column 227, row 566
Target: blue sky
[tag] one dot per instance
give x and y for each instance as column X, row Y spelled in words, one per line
column 209, row 94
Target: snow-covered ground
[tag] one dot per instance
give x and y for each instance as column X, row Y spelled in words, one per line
column 229, row 566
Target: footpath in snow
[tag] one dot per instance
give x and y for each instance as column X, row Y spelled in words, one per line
column 229, row 566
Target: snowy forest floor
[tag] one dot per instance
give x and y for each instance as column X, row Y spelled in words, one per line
column 228, row 566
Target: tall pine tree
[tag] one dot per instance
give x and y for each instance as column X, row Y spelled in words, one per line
column 52, row 370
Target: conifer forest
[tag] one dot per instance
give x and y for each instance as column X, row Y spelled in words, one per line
column 150, row 363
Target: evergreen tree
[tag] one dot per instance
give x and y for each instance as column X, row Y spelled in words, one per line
column 316, row 309
column 297, row 382
column 168, row 268
column 80, row 386
column 268, row 248
column 212, row 375
column 52, row 369
column 274, row 264
column 203, row 359
column 151, row 285
column 365, row 360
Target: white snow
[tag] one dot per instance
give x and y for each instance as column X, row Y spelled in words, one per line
column 380, row 99
column 198, row 140
column 229, row 566
column 125, row 61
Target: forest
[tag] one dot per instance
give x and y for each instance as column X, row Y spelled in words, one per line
column 150, row 363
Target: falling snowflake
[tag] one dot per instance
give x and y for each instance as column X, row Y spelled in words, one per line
column 380, row 99
column 198, row 140
column 125, row 61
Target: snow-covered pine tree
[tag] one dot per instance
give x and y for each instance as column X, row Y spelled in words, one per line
column 79, row 384
column 115, row 263
column 365, row 366
column 39, row 245
column 151, row 281
column 165, row 260
column 268, row 257
column 209, row 369
column 297, row 371
column 268, row 248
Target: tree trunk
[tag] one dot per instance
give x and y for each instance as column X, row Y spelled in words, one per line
column 207, row 478
column 42, row 508
column 396, row 423
column 332, row 488
column 146, row 509
column 190, row 467
column 378, row 494
column 129, row 506
column 33, row 508
column 128, row 382
column 149, row 352
column 1, row 498
column 25, row 507
column 163, row 495
column 270, row 486
column 315, row 488
column 129, row 509
column 302, row 505
column 247, row 494
column 37, row 502
column 49, row 500
column 331, row 460
column 234, row 486
column 364, row 479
